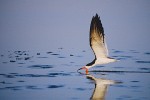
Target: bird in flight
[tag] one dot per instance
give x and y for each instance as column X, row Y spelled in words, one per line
column 98, row 44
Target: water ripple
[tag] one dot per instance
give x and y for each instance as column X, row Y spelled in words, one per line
column 32, row 87
column 59, row 74
column 143, row 61
column 61, row 57
column 41, row 66
column 117, row 51
column 147, row 53
column 81, row 89
column 135, row 81
column 146, row 69
column 49, row 52
column 33, row 75
column 42, row 57
column 55, row 86
column 12, row 88
column 54, row 54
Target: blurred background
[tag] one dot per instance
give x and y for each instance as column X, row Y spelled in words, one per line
column 47, row 24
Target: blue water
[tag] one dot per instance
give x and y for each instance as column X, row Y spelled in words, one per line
column 52, row 75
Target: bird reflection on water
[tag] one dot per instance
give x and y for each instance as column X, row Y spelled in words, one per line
column 101, row 86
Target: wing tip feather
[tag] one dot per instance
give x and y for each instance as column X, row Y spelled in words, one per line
column 96, row 25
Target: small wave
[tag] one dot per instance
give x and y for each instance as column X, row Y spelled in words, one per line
column 143, row 61
column 41, row 66
column 55, row 86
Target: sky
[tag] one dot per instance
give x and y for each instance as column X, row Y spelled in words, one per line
column 48, row 24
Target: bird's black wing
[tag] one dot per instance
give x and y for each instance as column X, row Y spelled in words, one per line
column 97, row 39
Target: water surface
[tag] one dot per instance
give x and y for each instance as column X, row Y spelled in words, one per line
column 52, row 75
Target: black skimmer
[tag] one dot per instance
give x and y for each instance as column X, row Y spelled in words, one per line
column 98, row 44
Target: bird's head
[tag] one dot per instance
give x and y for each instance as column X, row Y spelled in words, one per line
column 84, row 68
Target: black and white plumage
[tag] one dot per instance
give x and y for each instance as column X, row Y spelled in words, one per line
column 97, row 39
column 98, row 44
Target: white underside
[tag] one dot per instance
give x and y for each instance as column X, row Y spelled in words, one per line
column 100, row 61
column 104, row 60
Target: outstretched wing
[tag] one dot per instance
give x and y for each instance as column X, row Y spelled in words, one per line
column 97, row 39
